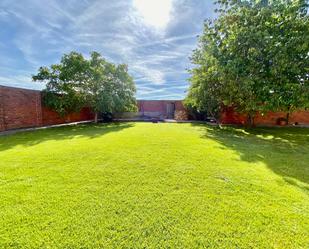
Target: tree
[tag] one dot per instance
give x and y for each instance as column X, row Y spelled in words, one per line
column 77, row 82
column 254, row 57
column 203, row 96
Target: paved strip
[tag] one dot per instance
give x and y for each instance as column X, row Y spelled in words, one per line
column 9, row 132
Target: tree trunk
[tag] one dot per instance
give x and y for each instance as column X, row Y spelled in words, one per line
column 96, row 117
column 250, row 120
column 288, row 114
column 287, row 117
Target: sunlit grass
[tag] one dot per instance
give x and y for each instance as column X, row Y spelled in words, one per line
column 144, row 185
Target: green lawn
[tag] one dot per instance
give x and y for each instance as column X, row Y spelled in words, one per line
column 144, row 185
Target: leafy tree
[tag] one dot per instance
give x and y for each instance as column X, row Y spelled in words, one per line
column 203, row 97
column 254, row 57
column 96, row 83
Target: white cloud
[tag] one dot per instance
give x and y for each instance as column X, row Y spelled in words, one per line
column 148, row 35
column 150, row 74
column 154, row 12
column 20, row 81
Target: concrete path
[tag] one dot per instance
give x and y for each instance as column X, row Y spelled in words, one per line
column 9, row 132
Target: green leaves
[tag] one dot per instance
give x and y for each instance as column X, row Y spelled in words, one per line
column 77, row 82
column 254, row 57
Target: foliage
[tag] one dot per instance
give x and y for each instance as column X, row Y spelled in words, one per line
column 254, row 56
column 193, row 112
column 77, row 82
column 203, row 98
column 145, row 185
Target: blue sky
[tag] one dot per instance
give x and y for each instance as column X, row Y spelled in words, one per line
column 154, row 37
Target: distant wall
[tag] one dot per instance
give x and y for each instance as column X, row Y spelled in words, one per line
column 155, row 109
column 22, row 108
column 158, row 107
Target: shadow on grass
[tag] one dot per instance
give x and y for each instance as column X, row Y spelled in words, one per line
column 30, row 138
column 284, row 150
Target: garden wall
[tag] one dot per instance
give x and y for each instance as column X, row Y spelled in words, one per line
column 19, row 108
column 156, row 109
column 50, row 117
column 22, row 108
column 160, row 107
column 229, row 116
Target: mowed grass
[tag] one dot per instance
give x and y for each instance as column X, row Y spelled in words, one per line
column 145, row 185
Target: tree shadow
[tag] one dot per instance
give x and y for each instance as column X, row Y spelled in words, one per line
column 284, row 150
column 30, row 138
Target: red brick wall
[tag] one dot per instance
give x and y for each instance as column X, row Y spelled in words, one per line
column 302, row 117
column 22, row 108
column 151, row 106
column 229, row 116
column 50, row 117
column 158, row 105
column 179, row 106
column 19, row 108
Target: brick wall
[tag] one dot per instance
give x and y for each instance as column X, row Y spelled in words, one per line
column 22, row 108
column 229, row 116
column 158, row 106
column 19, row 108
column 50, row 117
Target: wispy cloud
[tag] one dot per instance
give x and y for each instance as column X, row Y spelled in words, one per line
column 36, row 33
column 20, row 81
